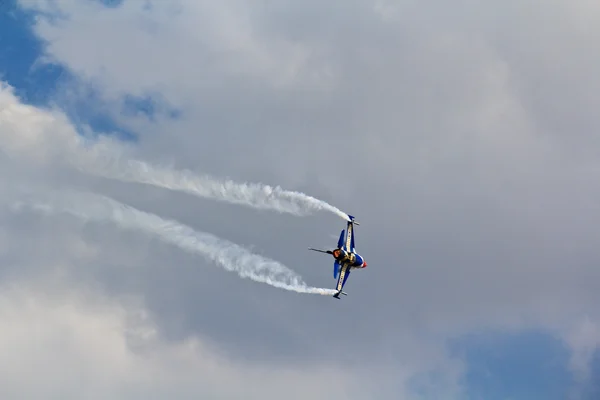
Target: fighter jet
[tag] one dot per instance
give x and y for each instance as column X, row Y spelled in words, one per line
column 346, row 257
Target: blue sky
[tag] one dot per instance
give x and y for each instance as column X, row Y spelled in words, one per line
column 529, row 365
column 38, row 83
column 500, row 366
column 20, row 51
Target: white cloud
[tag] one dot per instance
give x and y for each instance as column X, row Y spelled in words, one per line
column 468, row 133
column 221, row 38
column 88, row 340
column 25, row 129
column 73, row 343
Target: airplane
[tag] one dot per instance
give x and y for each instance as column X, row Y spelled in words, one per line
column 346, row 257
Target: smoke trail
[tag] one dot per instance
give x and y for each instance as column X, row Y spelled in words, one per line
column 230, row 256
column 106, row 161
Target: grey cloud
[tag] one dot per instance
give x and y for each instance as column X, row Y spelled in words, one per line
column 110, row 347
column 187, row 295
column 460, row 135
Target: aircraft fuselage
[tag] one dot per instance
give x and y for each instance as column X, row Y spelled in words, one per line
column 355, row 260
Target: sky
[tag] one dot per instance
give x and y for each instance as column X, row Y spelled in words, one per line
column 462, row 137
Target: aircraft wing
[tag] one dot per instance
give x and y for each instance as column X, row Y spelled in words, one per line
column 344, row 273
column 349, row 239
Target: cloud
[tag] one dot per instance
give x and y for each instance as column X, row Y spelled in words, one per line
column 83, row 274
column 80, row 342
column 463, row 137
column 585, row 341
column 26, row 129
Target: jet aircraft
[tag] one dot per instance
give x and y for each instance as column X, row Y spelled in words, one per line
column 346, row 257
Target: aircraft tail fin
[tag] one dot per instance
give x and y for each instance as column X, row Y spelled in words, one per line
column 341, row 239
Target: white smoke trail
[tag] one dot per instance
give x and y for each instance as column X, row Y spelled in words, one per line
column 230, row 256
column 48, row 136
column 105, row 160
